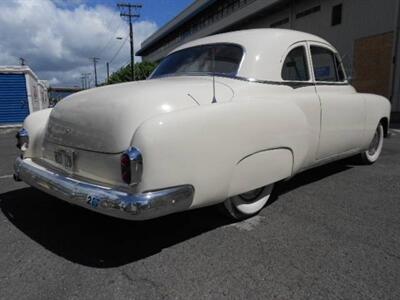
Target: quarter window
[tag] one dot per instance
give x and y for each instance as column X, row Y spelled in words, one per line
column 327, row 67
column 295, row 65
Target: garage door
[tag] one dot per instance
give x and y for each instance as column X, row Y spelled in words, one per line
column 373, row 64
column 13, row 98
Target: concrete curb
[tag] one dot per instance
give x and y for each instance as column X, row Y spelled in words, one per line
column 4, row 129
column 7, row 126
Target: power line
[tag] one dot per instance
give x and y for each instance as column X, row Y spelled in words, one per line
column 111, row 38
column 119, row 49
column 130, row 11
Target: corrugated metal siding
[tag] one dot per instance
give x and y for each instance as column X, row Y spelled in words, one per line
column 14, row 105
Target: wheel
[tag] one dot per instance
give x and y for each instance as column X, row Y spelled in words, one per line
column 375, row 148
column 248, row 204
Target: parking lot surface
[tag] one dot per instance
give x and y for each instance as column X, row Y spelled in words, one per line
column 329, row 233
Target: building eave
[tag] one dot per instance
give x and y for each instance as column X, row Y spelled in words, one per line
column 187, row 14
column 248, row 11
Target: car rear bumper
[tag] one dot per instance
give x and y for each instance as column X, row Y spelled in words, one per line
column 105, row 200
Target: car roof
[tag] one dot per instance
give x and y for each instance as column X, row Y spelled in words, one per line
column 264, row 49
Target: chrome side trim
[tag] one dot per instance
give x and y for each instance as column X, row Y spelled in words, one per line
column 292, row 84
column 108, row 201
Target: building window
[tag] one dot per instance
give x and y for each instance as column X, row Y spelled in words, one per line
column 280, row 23
column 337, row 15
column 295, row 66
column 308, row 12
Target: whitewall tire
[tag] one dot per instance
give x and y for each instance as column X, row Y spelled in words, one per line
column 375, row 148
column 248, row 204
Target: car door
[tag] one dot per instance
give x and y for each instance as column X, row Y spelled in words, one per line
column 297, row 77
column 342, row 109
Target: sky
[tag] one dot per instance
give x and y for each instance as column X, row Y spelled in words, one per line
column 57, row 38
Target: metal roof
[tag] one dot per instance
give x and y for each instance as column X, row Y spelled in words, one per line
column 18, row 70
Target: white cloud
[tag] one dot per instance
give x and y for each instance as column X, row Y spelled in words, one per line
column 57, row 42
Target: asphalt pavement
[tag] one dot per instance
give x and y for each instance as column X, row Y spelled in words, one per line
column 329, row 233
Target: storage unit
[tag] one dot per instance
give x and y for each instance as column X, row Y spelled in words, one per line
column 21, row 92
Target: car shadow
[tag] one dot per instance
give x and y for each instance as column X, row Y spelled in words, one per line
column 312, row 175
column 94, row 240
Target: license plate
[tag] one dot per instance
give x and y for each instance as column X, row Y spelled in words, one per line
column 65, row 158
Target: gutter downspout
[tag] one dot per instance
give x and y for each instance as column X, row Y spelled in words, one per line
column 292, row 12
column 29, row 91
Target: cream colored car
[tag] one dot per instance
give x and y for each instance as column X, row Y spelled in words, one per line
column 219, row 121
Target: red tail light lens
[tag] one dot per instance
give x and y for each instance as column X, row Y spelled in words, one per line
column 131, row 166
column 126, row 168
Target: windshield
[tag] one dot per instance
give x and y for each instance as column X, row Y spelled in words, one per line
column 222, row 59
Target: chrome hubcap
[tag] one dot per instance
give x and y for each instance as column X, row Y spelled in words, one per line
column 373, row 147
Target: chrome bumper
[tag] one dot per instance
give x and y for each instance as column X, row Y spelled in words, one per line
column 140, row 206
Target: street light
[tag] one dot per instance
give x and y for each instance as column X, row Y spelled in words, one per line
column 108, row 64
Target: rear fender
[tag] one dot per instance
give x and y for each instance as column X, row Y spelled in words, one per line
column 260, row 169
column 36, row 124
column 209, row 146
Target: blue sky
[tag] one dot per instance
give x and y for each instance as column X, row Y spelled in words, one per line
column 159, row 11
column 58, row 38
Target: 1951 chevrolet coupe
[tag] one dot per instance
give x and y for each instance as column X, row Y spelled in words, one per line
column 219, row 121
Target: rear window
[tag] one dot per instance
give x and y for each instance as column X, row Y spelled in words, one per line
column 221, row 59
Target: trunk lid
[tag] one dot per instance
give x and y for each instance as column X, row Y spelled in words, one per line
column 104, row 119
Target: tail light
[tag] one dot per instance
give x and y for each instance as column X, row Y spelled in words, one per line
column 131, row 166
column 22, row 139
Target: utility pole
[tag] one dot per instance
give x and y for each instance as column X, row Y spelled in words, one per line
column 130, row 11
column 95, row 60
column 83, row 81
column 108, row 71
column 84, row 78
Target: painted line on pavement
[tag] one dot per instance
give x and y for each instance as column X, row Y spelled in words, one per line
column 6, row 176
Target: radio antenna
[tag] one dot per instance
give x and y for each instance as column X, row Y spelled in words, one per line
column 214, row 99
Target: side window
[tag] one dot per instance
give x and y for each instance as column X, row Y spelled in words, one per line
column 327, row 66
column 295, row 66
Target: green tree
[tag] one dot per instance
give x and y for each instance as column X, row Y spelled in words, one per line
column 142, row 71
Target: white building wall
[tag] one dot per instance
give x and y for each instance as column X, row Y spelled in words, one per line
column 360, row 18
